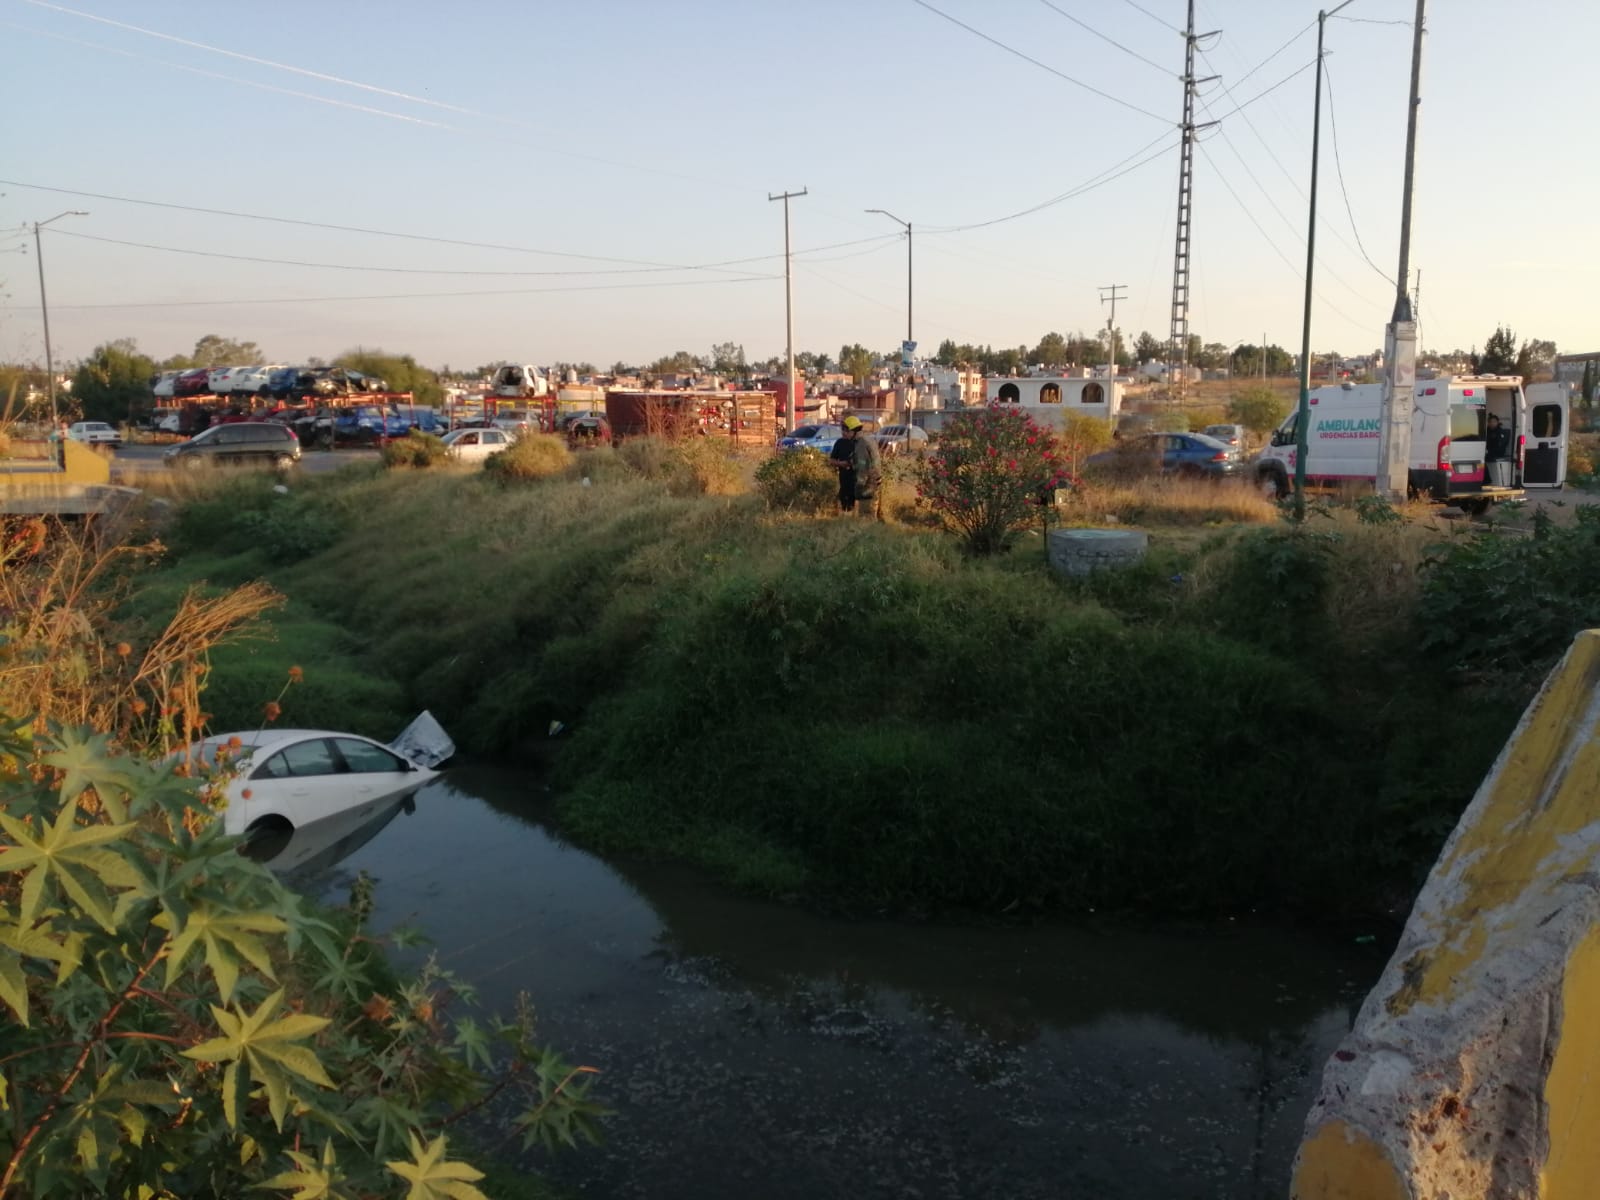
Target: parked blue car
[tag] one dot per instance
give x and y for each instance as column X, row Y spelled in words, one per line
column 1191, row 454
column 815, row 437
column 370, row 423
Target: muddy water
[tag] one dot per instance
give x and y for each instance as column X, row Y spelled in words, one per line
column 755, row 1051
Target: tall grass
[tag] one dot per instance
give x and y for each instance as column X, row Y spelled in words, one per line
column 1169, row 501
column 855, row 712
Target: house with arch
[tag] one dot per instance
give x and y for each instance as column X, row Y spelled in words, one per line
column 1051, row 398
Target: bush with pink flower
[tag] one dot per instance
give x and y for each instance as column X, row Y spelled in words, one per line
column 988, row 474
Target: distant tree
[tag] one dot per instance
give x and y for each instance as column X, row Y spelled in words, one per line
column 1051, row 351
column 1259, row 409
column 1147, row 349
column 948, row 354
column 1588, row 384
column 856, row 361
column 727, row 358
column 1536, row 358
column 621, row 368
column 113, row 383
column 399, row 371
column 1105, row 349
column 214, row 351
column 17, row 383
column 1499, row 355
column 680, row 363
column 1005, row 362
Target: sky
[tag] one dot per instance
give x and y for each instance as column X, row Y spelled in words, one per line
column 590, row 181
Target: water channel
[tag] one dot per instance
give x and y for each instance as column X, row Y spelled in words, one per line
column 752, row 1050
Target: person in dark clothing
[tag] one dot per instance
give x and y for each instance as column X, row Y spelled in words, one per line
column 842, row 458
column 1497, row 454
column 1498, row 441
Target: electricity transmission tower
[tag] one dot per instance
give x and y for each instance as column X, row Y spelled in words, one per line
column 1178, row 353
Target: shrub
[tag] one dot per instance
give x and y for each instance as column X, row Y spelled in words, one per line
column 180, row 1024
column 1581, row 458
column 651, row 457
column 797, row 481
column 416, row 449
column 1199, row 418
column 987, row 475
column 288, row 529
column 1271, row 589
column 1258, row 409
column 1079, row 438
column 709, row 468
column 1512, row 604
column 531, row 456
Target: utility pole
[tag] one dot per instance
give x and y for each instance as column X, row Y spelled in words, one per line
column 1400, row 338
column 909, row 346
column 1178, row 352
column 788, row 303
column 44, row 311
column 1111, row 332
column 1303, row 418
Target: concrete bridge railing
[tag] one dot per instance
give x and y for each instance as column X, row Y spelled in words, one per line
column 1473, row 1070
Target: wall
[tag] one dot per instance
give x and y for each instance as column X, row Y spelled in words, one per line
column 1473, row 1069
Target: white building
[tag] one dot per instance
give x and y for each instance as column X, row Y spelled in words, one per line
column 956, row 387
column 1052, row 398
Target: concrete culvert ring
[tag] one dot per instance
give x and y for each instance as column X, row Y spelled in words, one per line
column 1080, row 552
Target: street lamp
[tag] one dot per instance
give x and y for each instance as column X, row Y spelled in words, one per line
column 910, row 343
column 44, row 308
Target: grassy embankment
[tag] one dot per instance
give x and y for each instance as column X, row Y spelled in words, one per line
column 853, row 713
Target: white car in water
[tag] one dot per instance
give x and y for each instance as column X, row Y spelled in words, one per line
column 278, row 778
column 475, row 445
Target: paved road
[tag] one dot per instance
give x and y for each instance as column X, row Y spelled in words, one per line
column 130, row 462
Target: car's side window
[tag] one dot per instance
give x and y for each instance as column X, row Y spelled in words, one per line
column 274, row 768
column 310, row 758
column 366, row 758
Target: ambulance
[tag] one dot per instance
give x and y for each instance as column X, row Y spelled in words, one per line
column 1449, row 440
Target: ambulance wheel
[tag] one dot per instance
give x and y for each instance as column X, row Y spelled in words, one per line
column 1273, row 485
column 1475, row 508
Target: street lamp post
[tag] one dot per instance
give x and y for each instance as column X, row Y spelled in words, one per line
column 44, row 309
column 910, row 341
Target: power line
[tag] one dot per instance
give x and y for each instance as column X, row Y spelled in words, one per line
column 1283, row 170
column 1266, row 237
column 1288, row 224
column 320, row 76
column 1042, row 66
column 1153, row 17
column 1334, row 127
column 324, row 266
column 1088, row 185
column 1109, row 41
column 289, row 262
column 1367, row 20
column 598, row 287
column 1267, row 91
column 429, row 238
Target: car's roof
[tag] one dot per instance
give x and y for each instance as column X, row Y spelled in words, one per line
column 271, row 739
